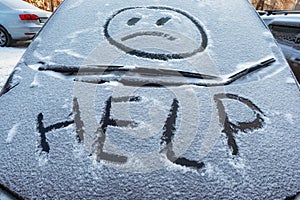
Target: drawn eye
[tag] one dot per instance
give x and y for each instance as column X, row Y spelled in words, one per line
column 133, row 21
column 162, row 21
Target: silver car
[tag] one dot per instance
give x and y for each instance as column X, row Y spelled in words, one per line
column 19, row 21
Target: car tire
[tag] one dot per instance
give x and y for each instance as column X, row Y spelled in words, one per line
column 5, row 38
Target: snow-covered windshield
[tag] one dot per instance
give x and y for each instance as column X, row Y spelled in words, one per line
column 151, row 99
column 196, row 36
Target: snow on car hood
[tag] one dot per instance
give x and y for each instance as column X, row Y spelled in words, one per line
column 97, row 110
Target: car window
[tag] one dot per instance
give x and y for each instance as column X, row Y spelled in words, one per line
column 287, row 35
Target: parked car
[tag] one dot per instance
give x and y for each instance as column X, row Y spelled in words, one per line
column 285, row 26
column 151, row 100
column 19, row 20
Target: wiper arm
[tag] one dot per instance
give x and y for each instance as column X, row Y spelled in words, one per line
column 126, row 77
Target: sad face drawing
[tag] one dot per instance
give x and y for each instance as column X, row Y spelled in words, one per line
column 160, row 33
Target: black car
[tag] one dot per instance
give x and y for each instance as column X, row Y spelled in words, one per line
column 285, row 26
column 151, row 100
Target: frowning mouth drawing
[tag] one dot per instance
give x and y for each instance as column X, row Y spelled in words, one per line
column 149, row 33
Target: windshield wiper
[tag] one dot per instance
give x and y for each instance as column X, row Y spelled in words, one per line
column 133, row 75
column 249, row 70
column 108, row 69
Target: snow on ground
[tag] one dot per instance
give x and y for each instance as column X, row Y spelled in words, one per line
column 9, row 57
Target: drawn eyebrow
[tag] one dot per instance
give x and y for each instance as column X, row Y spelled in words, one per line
column 133, row 21
column 162, row 21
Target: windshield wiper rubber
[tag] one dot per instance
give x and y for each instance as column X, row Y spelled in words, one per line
column 127, row 74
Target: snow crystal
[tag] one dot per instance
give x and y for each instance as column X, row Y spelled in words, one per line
column 35, row 82
column 237, row 163
column 9, row 57
column 69, row 52
column 289, row 118
column 290, row 80
column 11, row 133
column 43, row 159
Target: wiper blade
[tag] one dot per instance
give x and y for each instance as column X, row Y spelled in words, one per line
column 99, row 74
column 76, row 70
column 249, row 70
column 107, row 69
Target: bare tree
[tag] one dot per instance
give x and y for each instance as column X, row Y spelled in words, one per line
column 49, row 5
column 260, row 5
column 274, row 4
column 297, row 6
